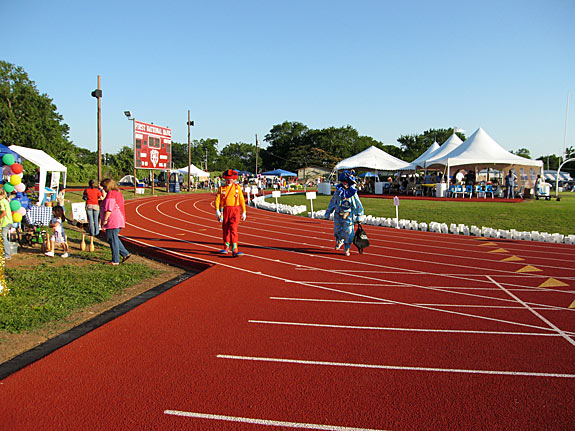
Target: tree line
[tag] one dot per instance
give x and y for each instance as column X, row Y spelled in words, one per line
column 29, row 118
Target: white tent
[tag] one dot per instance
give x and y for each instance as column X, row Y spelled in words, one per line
column 194, row 171
column 448, row 146
column 419, row 162
column 481, row 151
column 44, row 162
column 372, row 158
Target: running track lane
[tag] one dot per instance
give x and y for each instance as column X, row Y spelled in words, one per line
column 423, row 331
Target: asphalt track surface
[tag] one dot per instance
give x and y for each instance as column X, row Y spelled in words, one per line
column 423, row 331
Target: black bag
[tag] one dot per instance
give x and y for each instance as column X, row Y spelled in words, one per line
column 360, row 239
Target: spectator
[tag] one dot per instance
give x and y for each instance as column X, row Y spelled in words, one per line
column 510, row 180
column 113, row 219
column 6, row 222
column 58, row 234
column 93, row 196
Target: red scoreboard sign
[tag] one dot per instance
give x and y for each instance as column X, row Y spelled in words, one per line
column 152, row 146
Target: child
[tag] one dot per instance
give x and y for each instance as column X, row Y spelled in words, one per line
column 59, row 236
column 230, row 207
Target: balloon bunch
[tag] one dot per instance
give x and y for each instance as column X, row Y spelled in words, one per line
column 12, row 173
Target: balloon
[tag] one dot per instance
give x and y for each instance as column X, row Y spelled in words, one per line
column 15, row 205
column 22, row 211
column 7, row 171
column 20, row 187
column 16, row 168
column 15, row 180
column 8, row 188
column 8, row 159
column 16, row 217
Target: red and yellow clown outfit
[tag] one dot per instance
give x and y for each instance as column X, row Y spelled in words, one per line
column 230, row 208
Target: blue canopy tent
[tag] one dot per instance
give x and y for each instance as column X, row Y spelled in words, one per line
column 368, row 175
column 246, row 173
column 279, row 173
column 5, row 150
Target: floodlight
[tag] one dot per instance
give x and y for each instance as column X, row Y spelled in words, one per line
column 127, row 114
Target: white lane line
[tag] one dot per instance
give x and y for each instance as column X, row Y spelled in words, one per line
column 308, row 237
column 383, row 328
column 326, row 288
column 273, row 277
column 315, row 268
column 562, row 333
column 396, row 367
column 321, row 269
column 267, row 422
column 383, row 302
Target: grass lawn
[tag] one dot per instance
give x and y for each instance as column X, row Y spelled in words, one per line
column 540, row 215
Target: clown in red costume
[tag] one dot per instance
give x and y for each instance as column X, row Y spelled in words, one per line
column 230, row 209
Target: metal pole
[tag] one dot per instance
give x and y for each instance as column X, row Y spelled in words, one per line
column 134, row 146
column 189, row 153
column 563, row 155
column 99, row 135
column 256, row 155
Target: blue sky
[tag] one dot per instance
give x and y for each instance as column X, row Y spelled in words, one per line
column 387, row 68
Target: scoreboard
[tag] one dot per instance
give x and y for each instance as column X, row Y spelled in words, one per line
column 152, row 146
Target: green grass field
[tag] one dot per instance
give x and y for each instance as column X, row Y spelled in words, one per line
column 540, row 215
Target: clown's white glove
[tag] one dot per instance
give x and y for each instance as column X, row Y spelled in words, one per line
column 243, row 216
column 220, row 217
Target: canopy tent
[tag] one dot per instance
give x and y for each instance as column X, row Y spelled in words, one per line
column 279, row 173
column 419, row 162
column 481, row 151
column 448, row 146
column 194, row 171
column 369, row 175
column 44, row 162
column 5, row 150
column 246, row 173
column 128, row 180
column 552, row 176
column 372, row 158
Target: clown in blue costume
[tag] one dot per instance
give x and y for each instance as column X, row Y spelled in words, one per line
column 348, row 209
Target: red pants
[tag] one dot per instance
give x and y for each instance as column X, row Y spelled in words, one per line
column 232, row 217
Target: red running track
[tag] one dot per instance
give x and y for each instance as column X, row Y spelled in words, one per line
column 422, row 332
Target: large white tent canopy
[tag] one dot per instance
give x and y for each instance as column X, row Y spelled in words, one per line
column 420, row 161
column 481, row 151
column 194, row 171
column 372, row 158
column 448, row 146
column 46, row 164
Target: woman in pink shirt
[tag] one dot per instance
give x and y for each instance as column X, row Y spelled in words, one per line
column 113, row 219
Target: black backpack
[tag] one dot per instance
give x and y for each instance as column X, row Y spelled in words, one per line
column 360, row 239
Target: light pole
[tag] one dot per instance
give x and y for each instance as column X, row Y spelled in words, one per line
column 190, row 124
column 128, row 115
column 97, row 93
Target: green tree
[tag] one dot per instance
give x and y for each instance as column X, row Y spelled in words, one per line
column 201, row 149
column 179, row 155
column 121, row 163
column 522, row 152
column 240, row 156
column 28, row 118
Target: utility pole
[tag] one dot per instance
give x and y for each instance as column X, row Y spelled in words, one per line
column 97, row 93
column 256, row 155
column 563, row 155
column 190, row 124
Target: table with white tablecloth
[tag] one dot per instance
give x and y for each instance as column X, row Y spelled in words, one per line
column 41, row 215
